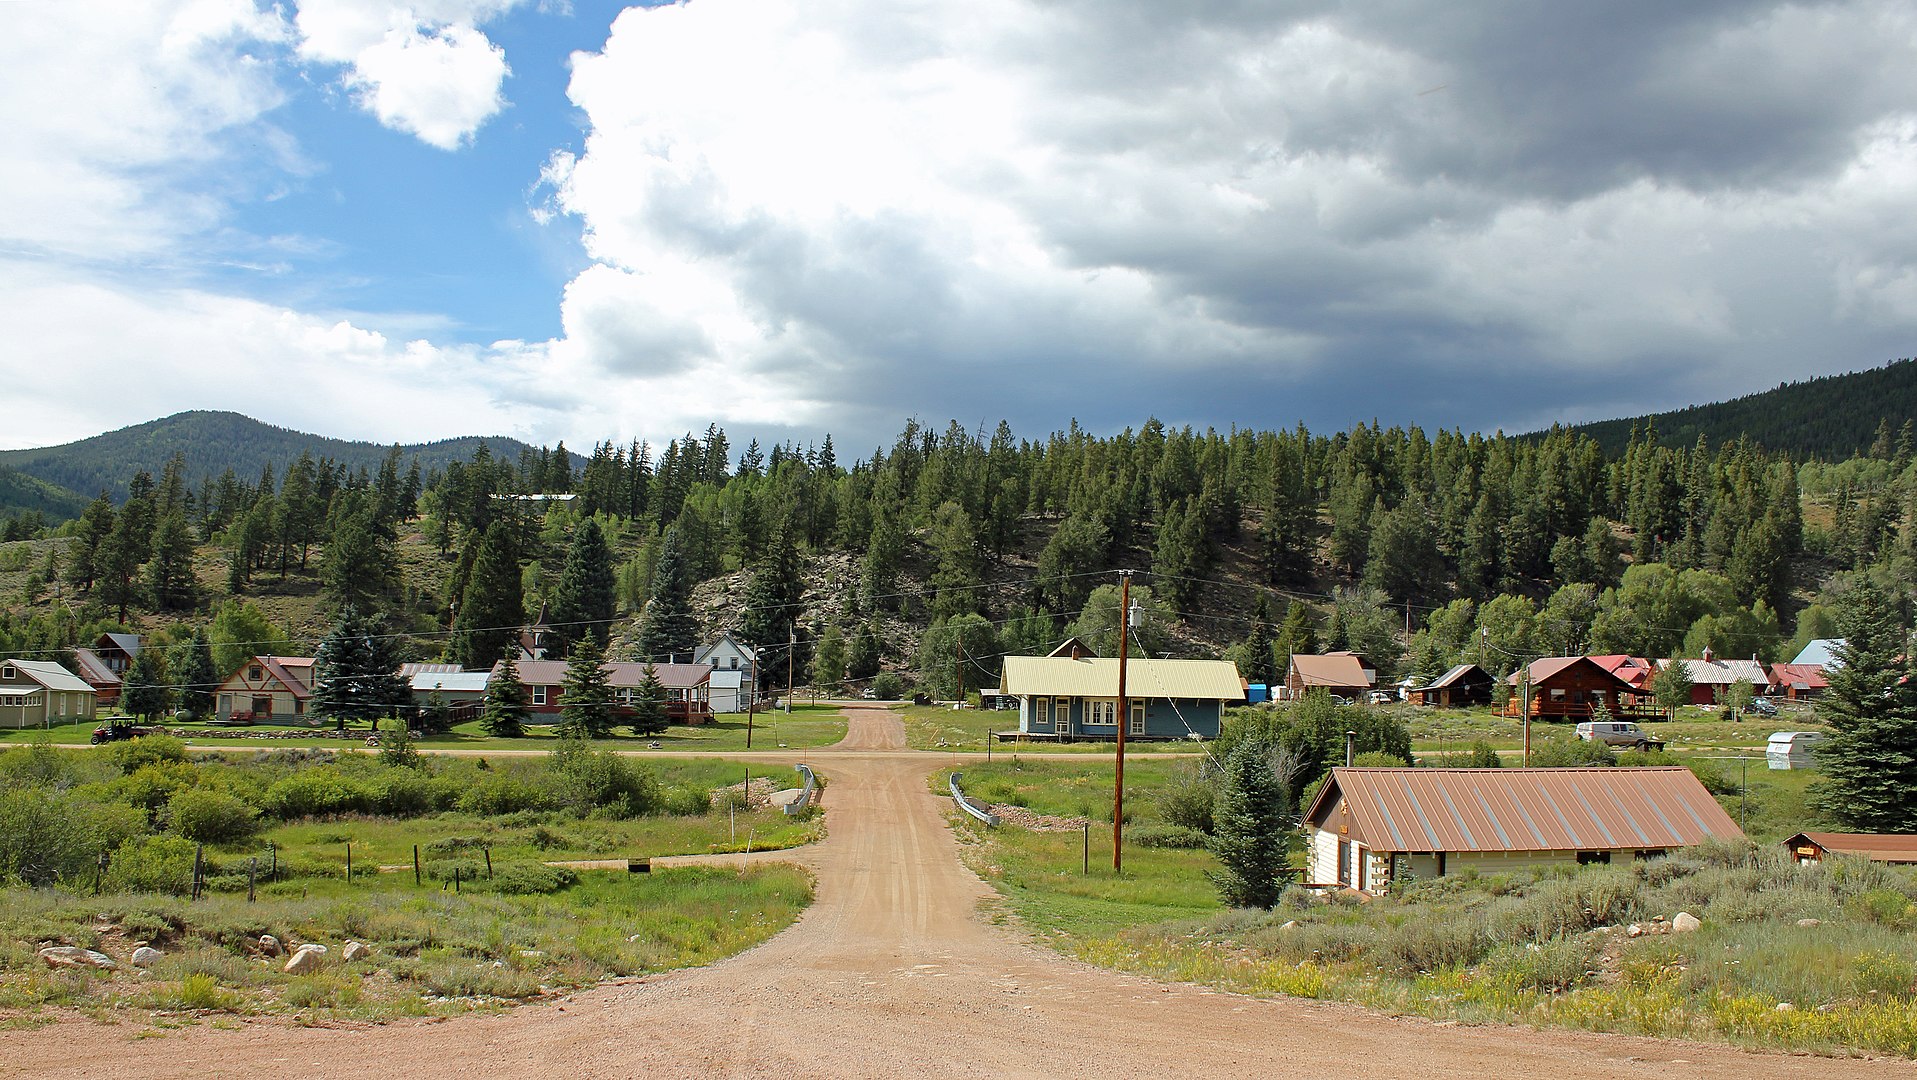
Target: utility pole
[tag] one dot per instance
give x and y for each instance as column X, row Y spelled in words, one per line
column 791, row 647
column 1123, row 718
column 961, row 667
column 1524, row 696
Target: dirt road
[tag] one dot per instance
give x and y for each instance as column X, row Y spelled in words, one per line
column 893, row 972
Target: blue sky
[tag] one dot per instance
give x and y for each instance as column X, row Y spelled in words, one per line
column 406, row 219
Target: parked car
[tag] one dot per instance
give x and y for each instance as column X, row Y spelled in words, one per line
column 1618, row 733
column 1763, row 707
column 116, row 730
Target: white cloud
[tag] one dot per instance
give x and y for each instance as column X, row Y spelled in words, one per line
column 421, row 68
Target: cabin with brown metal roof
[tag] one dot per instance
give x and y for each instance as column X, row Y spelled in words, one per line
column 1896, row 848
column 1370, row 827
column 1345, row 674
column 1572, row 687
column 1465, row 684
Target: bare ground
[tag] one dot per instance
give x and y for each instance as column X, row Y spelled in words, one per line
column 893, row 971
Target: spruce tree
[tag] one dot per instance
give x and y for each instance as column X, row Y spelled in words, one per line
column 772, row 610
column 504, row 714
column 170, row 575
column 492, row 607
column 828, row 663
column 191, row 668
column 145, row 692
column 1259, row 665
column 668, row 626
column 1870, row 760
column 586, row 697
column 1248, row 830
column 867, row 653
column 649, row 715
column 583, row 599
column 356, row 671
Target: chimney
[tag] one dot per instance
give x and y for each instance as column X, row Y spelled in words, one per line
column 1351, row 748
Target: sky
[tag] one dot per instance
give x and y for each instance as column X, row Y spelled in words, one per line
column 401, row 220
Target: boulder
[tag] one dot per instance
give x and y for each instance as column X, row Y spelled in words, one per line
column 1807, row 923
column 354, row 951
column 145, row 956
column 306, row 960
column 1684, row 922
column 269, row 945
column 59, row 956
column 1636, row 930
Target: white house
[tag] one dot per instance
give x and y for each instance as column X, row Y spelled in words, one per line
column 724, row 654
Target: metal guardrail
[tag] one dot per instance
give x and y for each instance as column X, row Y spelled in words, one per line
column 965, row 804
column 806, row 794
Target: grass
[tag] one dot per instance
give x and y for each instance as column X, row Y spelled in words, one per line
column 808, row 726
column 433, row 951
column 941, row 727
column 1693, row 730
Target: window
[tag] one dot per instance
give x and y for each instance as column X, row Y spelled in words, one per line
column 1600, row 858
column 735, row 663
column 254, row 674
column 1344, row 862
column 1101, row 712
column 538, row 695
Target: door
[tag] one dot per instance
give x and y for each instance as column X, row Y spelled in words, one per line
column 1137, row 724
column 1062, row 716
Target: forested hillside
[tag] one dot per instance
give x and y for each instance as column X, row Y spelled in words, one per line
column 1418, row 550
column 208, row 444
column 1831, row 418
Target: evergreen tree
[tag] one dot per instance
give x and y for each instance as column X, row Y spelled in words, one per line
column 1260, row 667
column 649, row 705
column 772, row 609
column 1248, row 837
column 360, row 565
column 866, row 655
column 117, row 562
column 356, row 671
column 145, row 691
column 668, row 626
column 191, row 669
column 829, row 661
column 586, row 696
column 492, row 606
column 1297, row 635
column 504, row 714
column 954, row 547
column 170, row 574
column 96, row 523
column 1870, row 760
column 584, row 600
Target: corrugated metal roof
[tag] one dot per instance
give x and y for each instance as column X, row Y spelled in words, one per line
column 1455, row 674
column 1822, row 652
column 1877, row 847
column 1803, row 676
column 1594, row 809
column 1332, row 669
column 1723, row 672
column 455, row 681
column 93, row 669
column 51, row 675
column 619, row 674
column 407, row 671
column 1211, row 680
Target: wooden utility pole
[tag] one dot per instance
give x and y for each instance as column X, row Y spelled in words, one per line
column 1123, row 718
column 961, row 668
column 791, row 647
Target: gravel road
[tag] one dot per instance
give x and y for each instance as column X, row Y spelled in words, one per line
column 893, row 972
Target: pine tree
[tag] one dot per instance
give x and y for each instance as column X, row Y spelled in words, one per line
column 145, row 692
column 866, row 655
column 668, row 626
column 586, row 697
column 649, row 705
column 1870, row 760
column 584, row 600
column 191, row 668
column 170, row 574
column 829, row 662
column 96, row 523
column 504, row 714
column 360, row 565
column 772, row 609
column 492, row 606
column 1248, row 837
column 1259, row 665
column 356, row 671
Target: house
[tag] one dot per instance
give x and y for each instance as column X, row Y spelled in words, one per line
column 1632, row 669
column 103, row 664
column 36, row 693
column 730, row 693
column 1345, row 674
column 727, row 654
column 1076, row 698
column 1798, row 680
column 463, row 693
column 1572, row 687
column 1810, row 847
column 1822, row 652
column 274, row 689
column 1711, row 677
column 688, row 689
column 1369, row 827
column 1465, row 684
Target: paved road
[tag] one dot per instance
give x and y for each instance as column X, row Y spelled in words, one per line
column 893, row 972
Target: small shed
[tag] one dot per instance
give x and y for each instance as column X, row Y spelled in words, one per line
column 1465, row 684
column 1898, row 848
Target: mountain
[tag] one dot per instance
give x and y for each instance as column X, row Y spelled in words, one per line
column 211, row 442
column 23, row 494
column 1832, row 417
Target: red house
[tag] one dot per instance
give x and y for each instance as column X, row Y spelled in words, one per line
column 1571, row 688
column 688, row 690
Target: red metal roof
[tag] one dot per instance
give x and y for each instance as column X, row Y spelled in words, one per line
column 1877, row 847
column 1635, row 670
column 1804, row 676
column 619, row 674
column 1595, row 809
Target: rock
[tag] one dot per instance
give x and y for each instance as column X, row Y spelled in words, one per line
column 1289, row 924
column 269, row 945
column 1810, row 922
column 145, row 955
column 1684, row 922
column 354, row 951
column 1785, row 1006
column 58, row 956
column 307, row 960
column 1635, row 930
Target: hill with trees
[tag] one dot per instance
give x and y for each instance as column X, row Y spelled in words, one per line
column 1830, row 418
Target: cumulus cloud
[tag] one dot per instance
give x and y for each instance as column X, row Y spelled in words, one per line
column 422, row 68
column 1109, row 209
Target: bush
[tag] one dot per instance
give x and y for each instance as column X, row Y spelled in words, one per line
column 131, row 755
column 494, row 794
column 1164, row 836
column 211, row 817
column 532, row 879
column 888, row 686
column 687, row 800
column 586, row 780
column 1566, row 752
column 47, row 838
column 1187, row 802
column 318, row 793
column 1551, row 967
column 154, row 864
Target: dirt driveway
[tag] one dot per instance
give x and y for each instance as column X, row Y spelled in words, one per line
column 892, row 972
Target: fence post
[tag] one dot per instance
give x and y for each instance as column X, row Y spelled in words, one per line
column 349, row 862
column 1086, row 869
column 455, row 879
column 416, row 864
column 199, row 868
column 252, row 865
column 489, row 862
column 273, row 849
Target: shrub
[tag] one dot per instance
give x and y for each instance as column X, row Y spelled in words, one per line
column 1565, row 752
column 48, row 837
column 687, row 800
column 1187, row 801
column 155, row 864
column 317, row 793
column 1552, row 966
column 1432, row 944
column 888, row 686
column 494, row 794
column 1164, row 836
column 211, row 817
column 586, row 780
column 133, row 754
column 532, row 879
